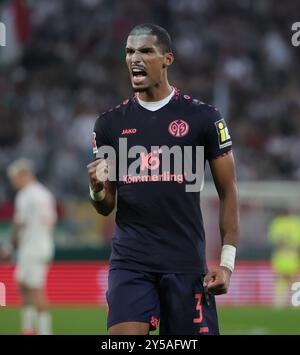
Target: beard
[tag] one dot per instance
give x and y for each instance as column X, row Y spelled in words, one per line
column 136, row 89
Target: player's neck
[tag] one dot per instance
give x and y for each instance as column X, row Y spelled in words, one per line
column 157, row 93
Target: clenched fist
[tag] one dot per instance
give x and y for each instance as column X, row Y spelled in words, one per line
column 217, row 280
column 99, row 173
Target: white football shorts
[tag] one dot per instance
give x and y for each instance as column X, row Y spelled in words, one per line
column 32, row 274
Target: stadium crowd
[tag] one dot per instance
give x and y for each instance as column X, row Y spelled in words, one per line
column 236, row 55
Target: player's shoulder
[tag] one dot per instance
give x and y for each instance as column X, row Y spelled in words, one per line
column 42, row 189
column 116, row 111
column 38, row 191
column 204, row 110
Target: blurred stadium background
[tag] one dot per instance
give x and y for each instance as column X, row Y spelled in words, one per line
column 64, row 64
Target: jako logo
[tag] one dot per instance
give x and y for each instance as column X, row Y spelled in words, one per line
column 2, row 295
column 296, row 36
column 296, row 295
column 2, row 35
column 129, row 131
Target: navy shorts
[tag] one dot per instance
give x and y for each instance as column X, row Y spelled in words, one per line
column 177, row 302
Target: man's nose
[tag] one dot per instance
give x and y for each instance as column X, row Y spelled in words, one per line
column 136, row 58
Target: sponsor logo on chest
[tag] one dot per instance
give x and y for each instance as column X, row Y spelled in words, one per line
column 128, row 131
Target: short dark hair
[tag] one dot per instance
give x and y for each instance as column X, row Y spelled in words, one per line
column 163, row 37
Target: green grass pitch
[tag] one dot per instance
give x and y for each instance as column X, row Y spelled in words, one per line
column 91, row 320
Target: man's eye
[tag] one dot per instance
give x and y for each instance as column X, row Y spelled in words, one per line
column 146, row 50
column 129, row 51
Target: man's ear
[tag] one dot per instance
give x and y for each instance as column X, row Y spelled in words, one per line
column 168, row 60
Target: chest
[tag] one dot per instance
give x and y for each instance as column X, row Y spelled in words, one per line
column 167, row 128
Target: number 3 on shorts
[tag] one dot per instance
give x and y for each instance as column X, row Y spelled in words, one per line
column 198, row 297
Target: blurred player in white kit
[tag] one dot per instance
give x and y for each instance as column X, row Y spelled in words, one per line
column 34, row 219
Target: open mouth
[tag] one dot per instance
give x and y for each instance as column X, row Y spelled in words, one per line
column 138, row 75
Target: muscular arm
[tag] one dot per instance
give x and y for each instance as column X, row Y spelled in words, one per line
column 223, row 171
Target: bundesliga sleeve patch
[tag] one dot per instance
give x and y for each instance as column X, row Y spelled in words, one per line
column 94, row 143
column 223, row 134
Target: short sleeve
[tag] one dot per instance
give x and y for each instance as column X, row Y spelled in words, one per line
column 217, row 137
column 100, row 136
column 21, row 210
